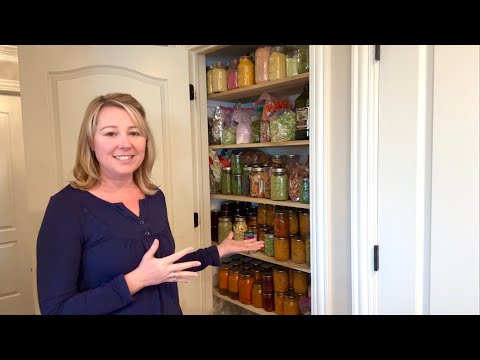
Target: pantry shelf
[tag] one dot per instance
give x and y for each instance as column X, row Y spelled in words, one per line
column 251, row 308
column 262, row 145
column 288, row 203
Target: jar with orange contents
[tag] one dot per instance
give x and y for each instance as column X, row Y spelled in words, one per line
column 281, row 247
column 257, row 298
column 280, row 279
column 223, row 278
column 271, row 209
column 281, row 226
column 233, row 277
column 291, row 305
column 293, row 221
column 257, row 272
column 245, row 284
column 304, row 222
column 298, row 249
column 245, row 72
column 279, row 299
column 262, row 214
column 300, row 282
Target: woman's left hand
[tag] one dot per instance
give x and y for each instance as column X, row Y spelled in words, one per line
column 230, row 246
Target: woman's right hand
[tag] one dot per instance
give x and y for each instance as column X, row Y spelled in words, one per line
column 154, row 271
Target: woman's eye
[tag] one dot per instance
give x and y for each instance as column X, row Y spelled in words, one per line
column 111, row 133
column 135, row 133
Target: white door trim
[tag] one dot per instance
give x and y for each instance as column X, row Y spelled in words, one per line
column 364, row 175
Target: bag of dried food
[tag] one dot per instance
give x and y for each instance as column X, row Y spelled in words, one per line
column 271, row 105
column 229, row 128
column 215, row 172
column 244, row 129
column 256, row 115
column 282, row 125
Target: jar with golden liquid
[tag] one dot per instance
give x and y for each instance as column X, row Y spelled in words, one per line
column 209, row 80
column 291, row 305
column 223, row 278
column 281, row 248
column 281, row 227
column 304, row 222
column 233, row 277
column 271, row 209
column 245, row 285
column 262, row 214
column 279, row 299
column 280, row 279
column 298, row 249
column 246, row 72
column 257, row 298
column 219, row 77
column 293, row 221
column 300, row 282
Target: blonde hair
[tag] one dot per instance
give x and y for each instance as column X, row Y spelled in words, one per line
column 87, row 169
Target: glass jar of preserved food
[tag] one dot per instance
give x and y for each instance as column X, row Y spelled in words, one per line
column 257, row 186
column 257, row 300
column 239, row 228
column 281, row 248
column 303, row 59
column 223, row 278
column 292, row 60
column 262, row 61
column 267, row 175
column 280, row 279
column 227, row 181
column 232, row 75
column 245, row 284
column 278, row 161
column 237, row 188
column 268, row 246
column 209, row 80
column 267, row 282
column 277, row 67
column 291, row 305
column 253, row 230
column 293, row 219
column 262, row 214
column 279, row 184
column 300, row 282
column 246, row 266
column 235, row 164
column 281, row 226
column 214, row 214
column 298, row 249
column 261, row 230
column 257, row 272
column 267, row 266
column 247, row 171
column 271, row 209
column 246, row 72
column 268, row 304
column 305, row 191
column 279, row 298
column 233, row 277
column 224, row 227
column 219, row 77
column 291, row 161
column 307, row 249
column 252, row 220
column 304, row 222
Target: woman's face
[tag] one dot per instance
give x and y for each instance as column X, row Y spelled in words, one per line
column 118, row 145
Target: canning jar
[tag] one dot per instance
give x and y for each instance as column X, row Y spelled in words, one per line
column 247, row 171
column 290, row 305
column 280, row 279
column 307, row 249
column 262, row 230
column 253, row 230
column 223, row 278
column 262, row 60
column 257, row 272
column 268, row 246
column 268, row 304
column 292, row 60
column 245, row 284
column 257, row 300
column 262, row 214
column 267, row 282
column 279, row 184
column 278, row 161
column 304, row 222
column 227, row 181
column 271, row 209
column 252, row 220
column 277, row 64
column 305, row 191
column 246, row 72
column 219, row 77
column 209, row 80
column 281, row 226
column 279, row 298
column 233, row 277
column 267, row 175
column 224, row 227
column 300, row 281
column 239, row 228
column 232, row 75
column 293, row 220
column 291, row 161
column 237, row 188
column 235, row 164
column 281, row 248
column 298, row 249
column 303, row 59
column 257, row 186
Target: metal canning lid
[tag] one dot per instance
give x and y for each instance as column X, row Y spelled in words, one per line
column 240, row 218
column 279, row 170
column 210, row 67
column 224, row 218
column 291, row 156
column 220, row 65
column 247, row 168
column 228, row 168
column 257, row 169
column 280, row 49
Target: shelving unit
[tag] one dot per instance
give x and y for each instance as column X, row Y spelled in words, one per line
column 251, row 308
column 287, row 203
column 262, row 145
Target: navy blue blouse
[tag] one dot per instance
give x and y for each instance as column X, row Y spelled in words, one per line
column 86, row 245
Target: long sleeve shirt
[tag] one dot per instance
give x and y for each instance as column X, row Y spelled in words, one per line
column 86, row 245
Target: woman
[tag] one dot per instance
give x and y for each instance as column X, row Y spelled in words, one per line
column 105, row 244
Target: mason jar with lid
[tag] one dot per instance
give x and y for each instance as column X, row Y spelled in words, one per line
column 236, row 164
column 303, row 59
column 237, row 188
column 232, row 75
column 271, row 209
column 233, row 277
column 267, row 282
column 298, row 249
column 267, row 175
column 281, row 248
column 281, row 226
column 280, row 279
column 257, row 299
column 227, row 181
column 300, row 282
column 247, row 171
column 223, row 278
column 293, row 220
column 268, row 304
column 278, row 161
column 279, row 184
column 268, row 246
column 219, row 77
column 292, row 60
column 262, row 214
column 239, row 228
column 257, row 272
column 279, row 298
column 291, row 305
column 252, row 220
column 224, row 227
column 304, row 222
column 262, row 60
column 305, row 191
column 277, row 64
column 209, row 80
column 257, row 185
column 245, row 284
column 246, row 72
column 307, row 250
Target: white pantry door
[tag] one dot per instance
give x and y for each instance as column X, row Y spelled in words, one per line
column 57, row 82
column 16, row 251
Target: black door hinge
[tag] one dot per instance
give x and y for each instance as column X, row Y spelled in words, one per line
column 195, row 220
column 376, row 260
column 377, row 52
column 192, row 92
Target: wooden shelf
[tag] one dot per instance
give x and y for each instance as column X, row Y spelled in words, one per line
column 288, row 203
column 277, row 88
column 251, row 308
column 262, row 145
